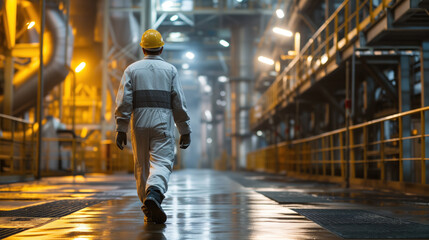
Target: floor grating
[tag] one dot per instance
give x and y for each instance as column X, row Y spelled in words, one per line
column 55, row 209
column 6, row 232
column 293, row 197
column 352, row 223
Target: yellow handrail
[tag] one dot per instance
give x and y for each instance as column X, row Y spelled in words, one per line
column 375, row 158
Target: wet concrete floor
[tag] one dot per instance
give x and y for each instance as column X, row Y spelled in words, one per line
column 200, row 204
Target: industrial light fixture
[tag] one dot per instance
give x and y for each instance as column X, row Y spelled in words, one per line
column 80, row 67
column 185, row 66
column 209, row 116
column 31, row 24
column 190, row 55
column 259, row 133
column 202, row 79
column 174, row 18
column 266, row 60
column 282, row 31
column 207, row 89
column 167, row 5
column 280, row 13
column 222, row 79
column 224, row 43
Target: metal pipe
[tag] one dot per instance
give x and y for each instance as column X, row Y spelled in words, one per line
column 40, row 91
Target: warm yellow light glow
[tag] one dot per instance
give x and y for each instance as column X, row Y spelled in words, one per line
column 282, row 31
column 309, row 58
column 324, row 59
column 266, row 60
column 84, row 132
column 80, row 67
column 293, row 53
column 31, row 24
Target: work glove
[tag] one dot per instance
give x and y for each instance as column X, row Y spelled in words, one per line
column 184, row 141
column 121, row 138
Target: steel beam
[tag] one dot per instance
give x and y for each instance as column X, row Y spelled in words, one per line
column 381, row 79
column 213, row 11
column 9, row 20
column 186, row 19
column 157, row 23
column 26, row 50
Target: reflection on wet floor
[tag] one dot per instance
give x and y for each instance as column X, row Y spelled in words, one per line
column 199, row 205
column 203, row 204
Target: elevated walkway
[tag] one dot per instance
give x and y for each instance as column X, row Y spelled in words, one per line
column 392, row 25
column 204, row 204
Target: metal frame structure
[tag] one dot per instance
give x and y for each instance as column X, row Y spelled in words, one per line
column 356, row 35
column 324, row 157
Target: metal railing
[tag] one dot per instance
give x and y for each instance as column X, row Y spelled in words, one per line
column 385, row 152
column 60, row 155
column 17, row 146
column 344, row 25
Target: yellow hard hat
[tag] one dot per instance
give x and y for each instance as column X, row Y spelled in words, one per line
column 151, row 39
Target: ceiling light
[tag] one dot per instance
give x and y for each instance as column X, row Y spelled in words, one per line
column 31, row 24
column 80, row 67
column 280, row 13
column 259, row 133
column 207, row 88
column 222, row 79
column 202, row 79
column 185, row 66
column 266, row 60
column 224, row 43
column 190, row 55
column 167, row 5
column 174, row 18
column 282, row 31
column 208, row 115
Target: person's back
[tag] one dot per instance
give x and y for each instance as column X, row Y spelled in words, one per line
column 151, row 95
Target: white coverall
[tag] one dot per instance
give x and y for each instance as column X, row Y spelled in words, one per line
column 151, row 95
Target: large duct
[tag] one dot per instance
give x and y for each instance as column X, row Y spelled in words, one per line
column 56, row 66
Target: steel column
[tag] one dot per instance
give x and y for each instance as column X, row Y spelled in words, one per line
column 404, row 92
column 105, row 76
column 424, row 69
column 40, row 91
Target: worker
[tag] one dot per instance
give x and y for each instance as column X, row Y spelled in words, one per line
column 151, row 97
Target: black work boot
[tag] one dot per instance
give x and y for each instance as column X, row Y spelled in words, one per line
column 153, row 202
column 147, row 215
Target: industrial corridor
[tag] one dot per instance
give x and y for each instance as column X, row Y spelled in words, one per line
column 204, row 204
column 214, row 119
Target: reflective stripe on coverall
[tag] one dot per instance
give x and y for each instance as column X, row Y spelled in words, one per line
column 150, row 94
